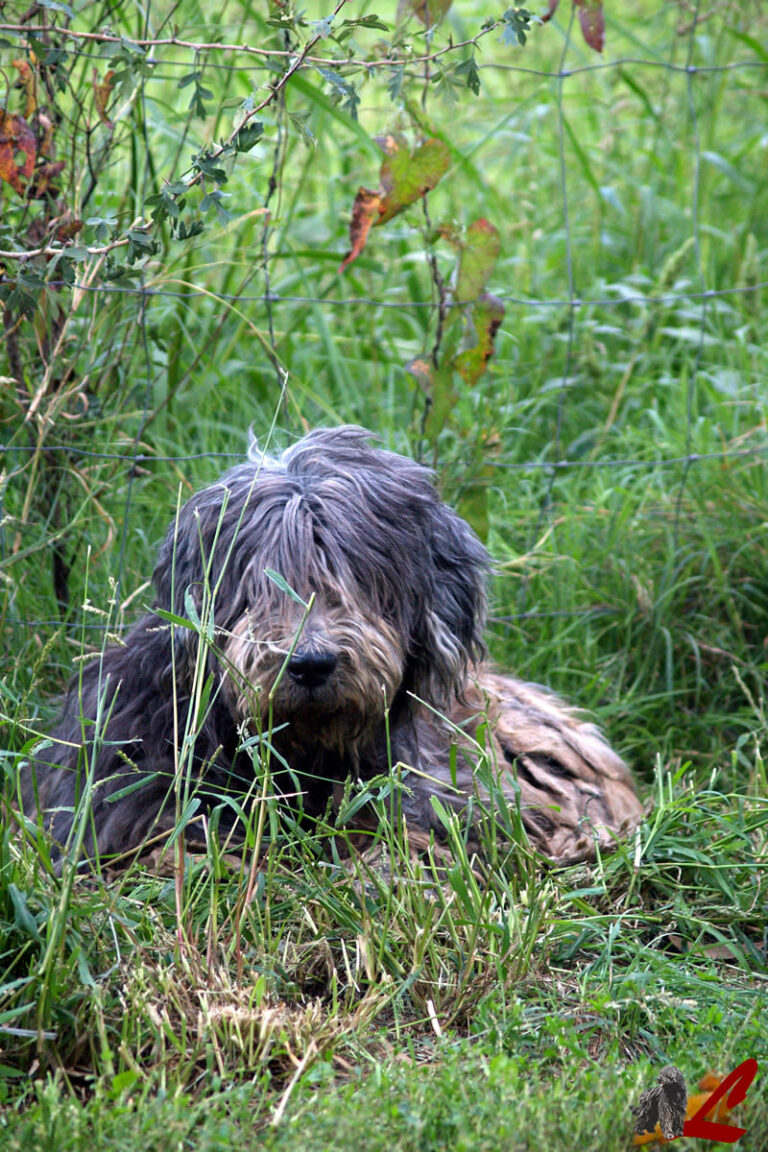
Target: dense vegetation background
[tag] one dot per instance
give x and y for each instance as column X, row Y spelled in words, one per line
column 570, row 328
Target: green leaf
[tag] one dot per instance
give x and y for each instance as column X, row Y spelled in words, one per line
column 479, row 252
column 185, row 231
column 447, row 88
column 345, row 90
column 373, row 21
column 164, row 205
column 733, row 173
column 84, row 971
column 191, row 609
column 122, row 1082
column 190, row 78
column 196, row 104
column 101, row 227
column 203, row 702
column 248, row 135
column 752, row 42
column 516, row 24
column 173, row 618
column 214, row 200
column 406, row 175
column 486, row 317
column 141, row 240
column 467, row 71
column 207, row 165
column 139, row 781
column 22, row 917
column 184, row 819
column 300, row 122
column 18, row 300
column 444, row 398
column 395, row 82
column 284, row 586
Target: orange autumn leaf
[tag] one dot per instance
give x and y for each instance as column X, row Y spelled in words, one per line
column 102, row 90
column 28, row 79
column 16, row 137
column 365, row 210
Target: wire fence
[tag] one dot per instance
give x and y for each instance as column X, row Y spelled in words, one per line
column 48, row 354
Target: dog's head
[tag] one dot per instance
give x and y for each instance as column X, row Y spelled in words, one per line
column 379, row 585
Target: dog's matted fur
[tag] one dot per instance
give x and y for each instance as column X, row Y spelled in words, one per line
column 365, row 650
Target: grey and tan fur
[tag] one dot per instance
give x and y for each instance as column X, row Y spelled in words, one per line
column 392, row 643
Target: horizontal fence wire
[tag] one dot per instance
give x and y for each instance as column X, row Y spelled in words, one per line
column 576, row 303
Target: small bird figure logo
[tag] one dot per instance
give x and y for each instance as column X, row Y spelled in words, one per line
column 664, row 1104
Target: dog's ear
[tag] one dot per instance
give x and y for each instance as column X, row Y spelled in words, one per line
column 456, row 620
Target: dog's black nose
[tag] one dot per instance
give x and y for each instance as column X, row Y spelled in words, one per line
column 311, row 667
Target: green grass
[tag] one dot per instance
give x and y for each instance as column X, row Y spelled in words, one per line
column 392, row 1001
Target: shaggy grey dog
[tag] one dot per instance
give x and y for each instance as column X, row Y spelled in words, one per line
column 335, row 610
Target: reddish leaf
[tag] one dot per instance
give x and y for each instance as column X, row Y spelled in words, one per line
column 406, row 176
column 592, row 22
column 16, row 136
column 366, row 208
column 591, row 19
column 67, row 229
column 487, row 315
column 479, row 251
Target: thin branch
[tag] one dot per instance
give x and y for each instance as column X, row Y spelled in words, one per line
column 264, row 53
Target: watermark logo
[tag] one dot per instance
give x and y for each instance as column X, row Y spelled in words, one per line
column 666, row 1112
